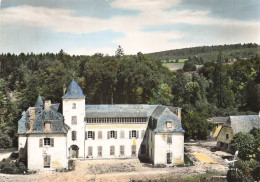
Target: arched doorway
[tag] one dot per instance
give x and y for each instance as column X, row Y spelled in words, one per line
column 74, row 151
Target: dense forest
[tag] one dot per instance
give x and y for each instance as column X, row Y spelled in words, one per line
column 217, row 90
column 209, row 53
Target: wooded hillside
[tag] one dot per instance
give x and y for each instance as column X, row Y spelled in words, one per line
column 218, row 90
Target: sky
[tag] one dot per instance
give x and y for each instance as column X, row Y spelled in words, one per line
column 86, row 27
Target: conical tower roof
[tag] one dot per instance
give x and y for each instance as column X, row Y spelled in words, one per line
column 39, row 102
column 74, row 91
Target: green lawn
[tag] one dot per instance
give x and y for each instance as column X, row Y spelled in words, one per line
column 174, row 66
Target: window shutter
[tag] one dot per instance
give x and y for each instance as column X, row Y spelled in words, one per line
column 99, row 134
column 115, row 134
column 86, row 135
column 40, row 143
column 52, row 142
column 108, row 135
column 122, row 134
column 137, row 134
column 93, row 135
column 130, row 134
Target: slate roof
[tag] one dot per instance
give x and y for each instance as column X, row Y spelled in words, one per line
column 159, row 118
column 243, row 123
column 219, row 120
column 39, row 102
column 41, row 115
column 74, row 91
column 119, row 110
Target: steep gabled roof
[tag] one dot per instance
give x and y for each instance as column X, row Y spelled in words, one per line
column 243, row 123
column 74, row 91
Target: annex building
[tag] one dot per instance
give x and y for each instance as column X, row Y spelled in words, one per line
column 48, row 139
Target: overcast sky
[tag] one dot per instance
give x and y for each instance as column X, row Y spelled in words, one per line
column 90, row 26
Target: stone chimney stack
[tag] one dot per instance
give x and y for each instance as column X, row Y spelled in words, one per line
column 32, row 117
column 47, row 104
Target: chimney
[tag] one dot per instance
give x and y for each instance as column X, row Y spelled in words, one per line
column 31, row 117
column 179, row 113
column 47, row 104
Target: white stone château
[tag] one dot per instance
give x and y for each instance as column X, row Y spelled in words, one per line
column 48, row 139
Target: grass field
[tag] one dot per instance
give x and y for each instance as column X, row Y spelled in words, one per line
column 174, row 66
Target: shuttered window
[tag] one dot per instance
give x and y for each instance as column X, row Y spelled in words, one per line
column 74, row 120
column 122, row 150
column 112, row 134
column 47, row 161
column 47, row 141
column 90, row 151
column 99, row 151
column 133, row 150
column 169, row 139
column 99, row 134
column 134, row 134
column 90, row 135
column 122, row 134
column 112, row 150
column 74, row 135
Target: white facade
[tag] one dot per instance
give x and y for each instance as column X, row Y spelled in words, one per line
column 75, row 108
column 99, row 131
column 37, row 154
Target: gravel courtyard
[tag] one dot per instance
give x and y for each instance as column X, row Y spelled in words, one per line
column 129, row 169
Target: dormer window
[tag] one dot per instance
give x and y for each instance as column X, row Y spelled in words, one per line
column 74, row 106
column 47, row 126
column 169, row 124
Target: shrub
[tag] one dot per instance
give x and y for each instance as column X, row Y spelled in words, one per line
column 244, row 143
column 10, row 166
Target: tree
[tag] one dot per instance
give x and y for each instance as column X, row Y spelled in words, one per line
column 196, row 126
column 119, row 52
column 244, row 143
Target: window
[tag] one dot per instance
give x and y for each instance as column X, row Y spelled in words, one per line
column 99, row 134
column 133, row 134
column 169, row 139
column 74, row 106
column 74, row 135
column 91, row 134
column 169, row 124
column 112, row 150
column 74, row 120
column 47, row 126
column 169, row 157
column 227, row 137
column 47, row 161
column 99, row 151
column 122, row 150
column 47, row 141
column 89, row 151
column 133, row 150
column 122, row 134
column 112, row 134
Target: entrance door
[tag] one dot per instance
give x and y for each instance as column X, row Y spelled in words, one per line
column 169, row 157
column 74, row 150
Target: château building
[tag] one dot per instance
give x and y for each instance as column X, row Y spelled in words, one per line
column 48, row 139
